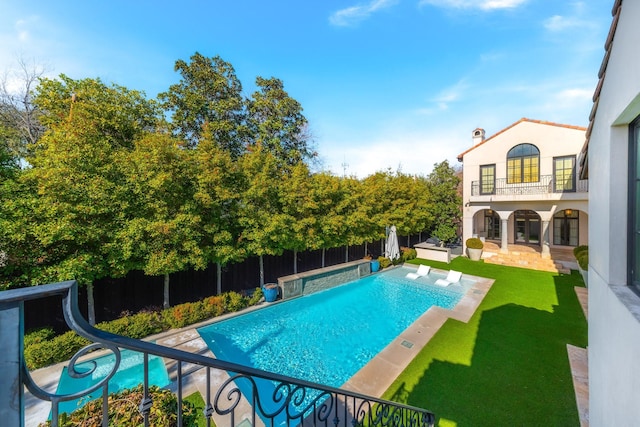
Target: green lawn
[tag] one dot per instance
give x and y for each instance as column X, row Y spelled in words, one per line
column 508, row 366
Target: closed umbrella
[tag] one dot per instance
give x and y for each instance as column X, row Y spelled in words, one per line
column 392, row 249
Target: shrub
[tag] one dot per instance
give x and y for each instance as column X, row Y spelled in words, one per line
column 582, row 256
column 256, row 297
column 384, row 262
column 474, row 243
column 583, row 260
column 55, row 350
column 38, row 335
column 42, row 349
column 214, row 305
column 185, row 314
column 123, row 410
column 137, row 325
column 233, row 301
column 579, row 249
column 409, row 253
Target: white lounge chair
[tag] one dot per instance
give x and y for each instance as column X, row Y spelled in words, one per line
column 452, row 277
column 423, row 270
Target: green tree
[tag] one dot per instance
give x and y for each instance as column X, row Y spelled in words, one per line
column 8, row 163
column 446, row 204
column 218, row 188
column 161, row 231
column 74, row 207
column 18, row 245
column 73, row 189
column 277, row 124
column 328, row 194
column 112, row 113
column 300, row 211
column 261, row 216
column 209, row 93
column 360, row 208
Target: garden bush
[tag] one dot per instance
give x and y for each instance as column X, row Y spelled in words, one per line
column 54, row 350
column 384, row 262
column 582, row 256
column 38, row 335
column 42, row 349
column 137, row 325
column 215, row 305
column 184, row 314
column 579, row 249
column 233, row 301
column 409, row 253
column 583, row 260
column 474, row 243
column 256, row 297
column 123, row 410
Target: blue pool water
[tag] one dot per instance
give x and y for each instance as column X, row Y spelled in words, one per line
column 130, row 374
column 328, row 336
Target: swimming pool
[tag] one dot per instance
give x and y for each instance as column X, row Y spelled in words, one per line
column 326, row 337
column 130, row 374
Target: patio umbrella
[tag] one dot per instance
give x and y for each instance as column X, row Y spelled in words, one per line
column 392, row 249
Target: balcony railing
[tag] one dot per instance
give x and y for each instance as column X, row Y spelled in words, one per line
column 546, row 185
column 290, row 402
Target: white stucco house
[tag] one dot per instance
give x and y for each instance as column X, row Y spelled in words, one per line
column 520, row 187
column 612, row 165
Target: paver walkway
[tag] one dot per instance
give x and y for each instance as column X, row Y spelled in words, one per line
column 579, row 362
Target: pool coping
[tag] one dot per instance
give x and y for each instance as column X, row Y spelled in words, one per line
column 376, row 377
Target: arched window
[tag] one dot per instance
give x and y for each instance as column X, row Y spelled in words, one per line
column 523, row 164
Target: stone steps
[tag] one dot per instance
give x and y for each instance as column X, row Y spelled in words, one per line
column 526, row 260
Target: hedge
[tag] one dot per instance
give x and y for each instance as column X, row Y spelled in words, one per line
column 582, row 256
column 42, row 349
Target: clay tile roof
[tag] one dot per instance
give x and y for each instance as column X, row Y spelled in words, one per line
column 524, row 119
column 584, row 159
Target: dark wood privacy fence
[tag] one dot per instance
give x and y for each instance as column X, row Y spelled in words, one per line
column 136, row 291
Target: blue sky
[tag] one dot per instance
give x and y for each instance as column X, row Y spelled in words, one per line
column 383, row 83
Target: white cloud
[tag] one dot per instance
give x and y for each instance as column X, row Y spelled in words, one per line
column 475, row 4
column 351, row 15
column 445, row 98
column 559, row 23
column 413, row 153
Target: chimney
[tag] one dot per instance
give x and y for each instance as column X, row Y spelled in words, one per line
column 478, row 136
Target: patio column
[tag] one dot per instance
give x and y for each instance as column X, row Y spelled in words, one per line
column 504, row 244
column 546, row 253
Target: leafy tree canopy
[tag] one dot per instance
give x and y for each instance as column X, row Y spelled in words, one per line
column 445, row 203
column 277, row 123
column 209, row 93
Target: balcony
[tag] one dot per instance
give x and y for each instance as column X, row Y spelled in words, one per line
column 288, row 401
column 545, row 186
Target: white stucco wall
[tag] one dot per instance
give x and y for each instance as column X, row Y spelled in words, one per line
column 614, row 310
column 553, row 140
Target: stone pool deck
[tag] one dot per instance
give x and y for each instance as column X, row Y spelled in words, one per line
column 373, row 379
column 378, row 375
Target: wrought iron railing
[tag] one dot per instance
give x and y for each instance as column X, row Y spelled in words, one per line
column 288, row 401
column 545, row 185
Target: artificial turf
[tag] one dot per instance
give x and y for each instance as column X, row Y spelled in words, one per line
column 508, row 365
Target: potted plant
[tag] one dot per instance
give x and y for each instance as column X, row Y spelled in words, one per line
column 375, row 264
column 474, row 248
column 270, row 291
